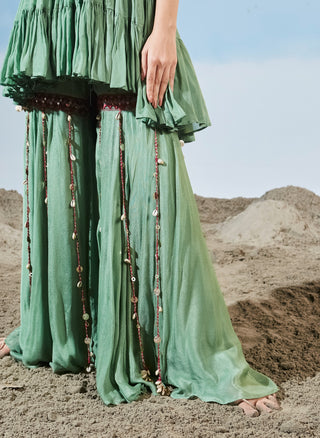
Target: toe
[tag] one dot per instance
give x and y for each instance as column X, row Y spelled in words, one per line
column 4, row 350
column 249, row 410
column 272, row 402
column 263, row 405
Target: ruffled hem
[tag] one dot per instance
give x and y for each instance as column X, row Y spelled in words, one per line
column 87, row 40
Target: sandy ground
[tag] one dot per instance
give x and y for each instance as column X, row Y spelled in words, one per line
column 266, row 255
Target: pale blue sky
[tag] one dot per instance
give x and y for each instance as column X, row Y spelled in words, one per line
column 258, row 64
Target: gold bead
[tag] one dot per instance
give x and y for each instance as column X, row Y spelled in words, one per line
column 122, row 146
column 87, row 341
column 98, row 117
column 85, row 316
column 28, row 266
column 79, row 284
column 157, row 276
column 138, row 326
column 144, row 374
column 157, row 339
column 134, row 299
column 71, row 186
column 79, row 268
column 43, row 116
column 157, row 227
column 156, row 291
column 74, row 236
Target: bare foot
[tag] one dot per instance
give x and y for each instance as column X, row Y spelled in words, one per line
column 4, row 349
column 254, row 406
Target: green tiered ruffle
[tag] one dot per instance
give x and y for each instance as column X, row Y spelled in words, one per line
column 99, row 41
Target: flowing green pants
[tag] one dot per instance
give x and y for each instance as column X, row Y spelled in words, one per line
column 200, row 354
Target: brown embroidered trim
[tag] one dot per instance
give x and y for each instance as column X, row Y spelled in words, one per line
column 55, row 102
column 119, row 102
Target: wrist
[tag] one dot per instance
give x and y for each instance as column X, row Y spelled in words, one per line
column 169, row 25
column 165, row 29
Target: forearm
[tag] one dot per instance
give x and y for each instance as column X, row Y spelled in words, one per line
column 166, row 16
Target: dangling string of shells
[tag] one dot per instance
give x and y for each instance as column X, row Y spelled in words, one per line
column 75, row 237
column 26, row 182
column 124, row 217
column 161, row 388
column 145, row 373
column 44, row 143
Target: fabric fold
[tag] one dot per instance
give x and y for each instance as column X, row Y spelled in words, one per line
column 98, row 41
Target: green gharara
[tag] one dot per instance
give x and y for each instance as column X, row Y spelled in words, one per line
column 75, row 284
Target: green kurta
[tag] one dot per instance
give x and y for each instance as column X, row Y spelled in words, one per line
column 77, row 48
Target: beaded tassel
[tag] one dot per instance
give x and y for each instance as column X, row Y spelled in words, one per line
column 161, row 388
column 26, row 182
column 44, row 157
column 98, row 117
column 145, row 373
column 79, row 268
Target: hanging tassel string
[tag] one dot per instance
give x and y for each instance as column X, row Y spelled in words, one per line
column 75, row 236
column 26, row 182
column 124, row 217
column 44, row 142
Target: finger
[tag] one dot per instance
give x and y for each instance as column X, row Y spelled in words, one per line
column 157, row 84
column 144, row 61
column 151, row 76
column 163, row 85
column 172, row 76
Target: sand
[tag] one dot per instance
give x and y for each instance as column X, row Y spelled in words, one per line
column 266, row 254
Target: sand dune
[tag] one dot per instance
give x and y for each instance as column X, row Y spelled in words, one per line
column 266, row 254
column 267, row 222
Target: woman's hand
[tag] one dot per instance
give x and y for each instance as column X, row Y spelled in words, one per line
column 158, row 64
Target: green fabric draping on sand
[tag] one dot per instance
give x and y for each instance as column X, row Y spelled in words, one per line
column 76, row 48
column 200, row 352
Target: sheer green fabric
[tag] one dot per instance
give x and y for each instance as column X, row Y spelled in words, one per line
column 52, row 329
column 200, row 352
column 101, row 41
column 81, row 48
